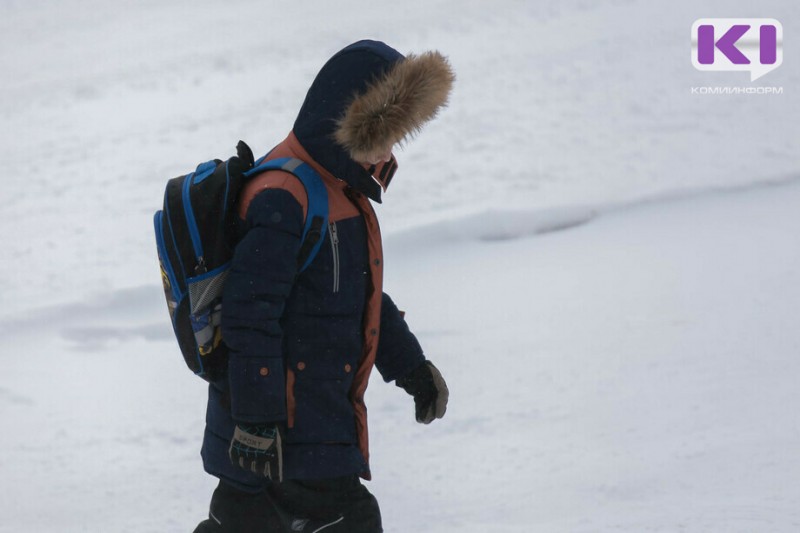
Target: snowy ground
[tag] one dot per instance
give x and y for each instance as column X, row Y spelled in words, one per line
column 637, row 371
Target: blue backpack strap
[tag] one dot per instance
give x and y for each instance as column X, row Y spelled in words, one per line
column 317, row 211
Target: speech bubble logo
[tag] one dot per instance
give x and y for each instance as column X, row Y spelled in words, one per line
column 753, row 45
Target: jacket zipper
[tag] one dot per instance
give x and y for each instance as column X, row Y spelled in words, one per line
column 335, row 248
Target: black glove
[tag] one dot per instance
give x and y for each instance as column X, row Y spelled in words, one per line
column 258, row 449
column 426, row 384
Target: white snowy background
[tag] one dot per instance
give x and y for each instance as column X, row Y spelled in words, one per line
column 637, row 371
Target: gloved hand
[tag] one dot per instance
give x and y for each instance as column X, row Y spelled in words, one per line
column 258, row 449
column 426, row 384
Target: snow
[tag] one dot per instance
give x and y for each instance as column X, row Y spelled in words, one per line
column 604, row 266
column 638, row 373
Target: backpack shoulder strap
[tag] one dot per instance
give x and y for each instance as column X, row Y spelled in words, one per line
column 316, row 223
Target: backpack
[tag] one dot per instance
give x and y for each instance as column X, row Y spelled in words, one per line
column 195, row 237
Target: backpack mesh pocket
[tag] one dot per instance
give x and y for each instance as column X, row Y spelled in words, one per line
column 205, row 309
column 205, row 290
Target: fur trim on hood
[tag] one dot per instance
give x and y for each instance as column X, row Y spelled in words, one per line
column 396, row 106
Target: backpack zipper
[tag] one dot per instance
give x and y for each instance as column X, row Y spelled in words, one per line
column 335, row 249
column 194, row 233
column 166, row 265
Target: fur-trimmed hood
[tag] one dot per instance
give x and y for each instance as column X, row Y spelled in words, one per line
column 395, row 106
column 365, row 99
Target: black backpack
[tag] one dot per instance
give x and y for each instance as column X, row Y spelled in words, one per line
column 195, row 236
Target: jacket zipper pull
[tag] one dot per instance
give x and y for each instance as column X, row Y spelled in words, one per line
column 334, row 234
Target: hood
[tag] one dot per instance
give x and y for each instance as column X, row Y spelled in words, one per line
column 367, row 98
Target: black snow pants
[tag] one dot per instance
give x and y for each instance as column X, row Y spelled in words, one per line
column 339, row 505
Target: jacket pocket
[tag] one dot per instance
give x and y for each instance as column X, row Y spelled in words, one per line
column 320, row 406
column 257, row 387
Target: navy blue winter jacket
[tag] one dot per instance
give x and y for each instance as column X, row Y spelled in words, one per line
column 303, row 345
